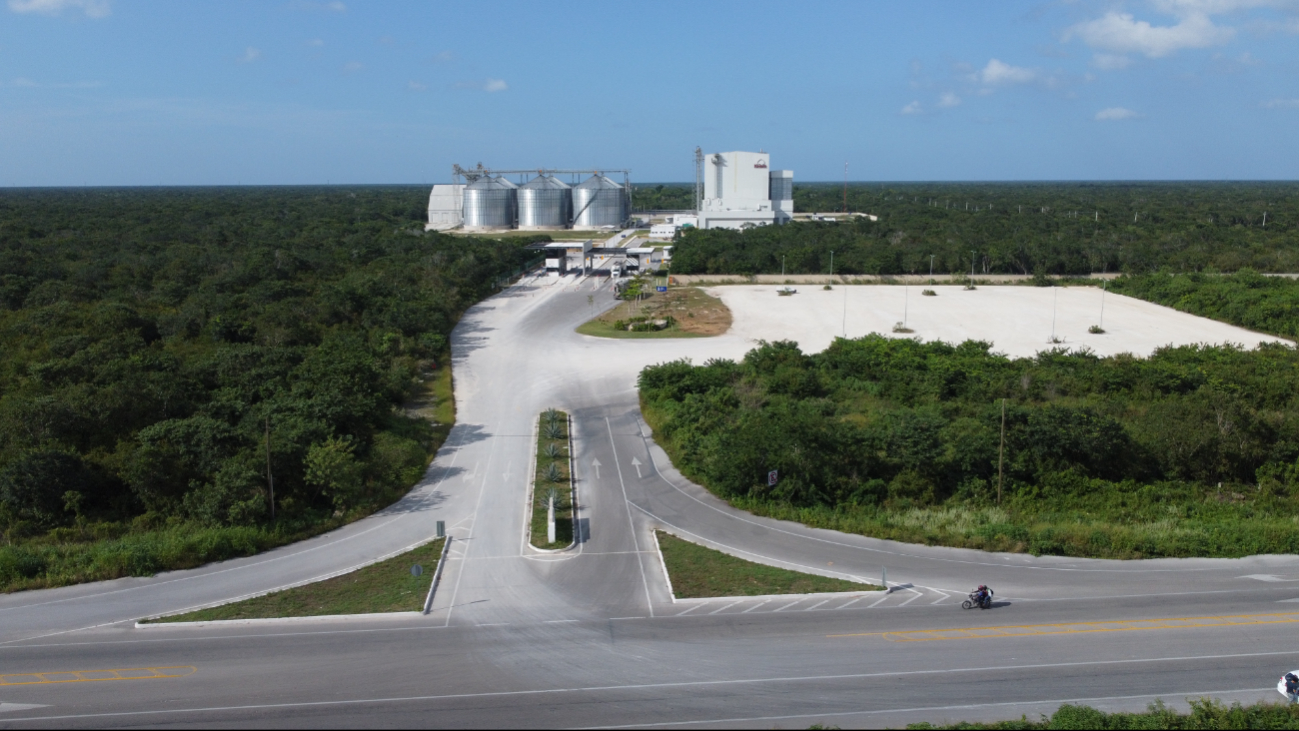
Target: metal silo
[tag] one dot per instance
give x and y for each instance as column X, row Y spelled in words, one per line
column 489, row 204
column 545, row 204
column 598, row 201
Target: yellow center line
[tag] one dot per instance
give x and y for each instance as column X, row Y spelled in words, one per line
column 90, row 676
column 1064, row 628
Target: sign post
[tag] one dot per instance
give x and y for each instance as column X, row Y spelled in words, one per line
column 772, row 478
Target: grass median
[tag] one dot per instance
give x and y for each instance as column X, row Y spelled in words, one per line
column 387, row 586
column 697, row 572
column 552, row 475
column 693, row 313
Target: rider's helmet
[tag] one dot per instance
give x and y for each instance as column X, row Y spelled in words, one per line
column 982, row 587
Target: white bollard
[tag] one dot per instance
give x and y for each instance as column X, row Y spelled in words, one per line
column 550, row 520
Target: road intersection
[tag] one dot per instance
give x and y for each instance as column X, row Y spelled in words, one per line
column 593, row 637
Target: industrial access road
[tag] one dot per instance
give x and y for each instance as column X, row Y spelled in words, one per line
column 592, row 637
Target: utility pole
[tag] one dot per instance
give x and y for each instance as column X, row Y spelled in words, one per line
column 931, row 266
column 1001, row 452
column 971, row 267
column 270, row 480
column 832, row 263
column 782, row 265
column 845, row 186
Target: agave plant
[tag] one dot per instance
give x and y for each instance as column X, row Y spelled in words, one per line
column 553, row 430
column 551, row 416
column 552, row 473
column 552, row 450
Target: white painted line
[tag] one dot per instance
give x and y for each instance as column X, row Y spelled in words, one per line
column 912, row 599
column 724, row 608
column 560, row 621
column 814, row 606
column 755, row 606
column 611, row 619
column 640, row 563
column 787, row 606
column 688, row 611
column 699, row 683
column 879, row 601
column 849, row 604
column 942, row 597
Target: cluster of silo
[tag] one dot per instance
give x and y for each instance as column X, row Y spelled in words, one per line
column 544, row 204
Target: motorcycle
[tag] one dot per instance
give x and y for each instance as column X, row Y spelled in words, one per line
column 976, row 601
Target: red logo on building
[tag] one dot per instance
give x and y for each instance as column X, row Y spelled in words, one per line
column 760, row 164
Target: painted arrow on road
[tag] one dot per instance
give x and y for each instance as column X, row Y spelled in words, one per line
column 595, row 463
column 636, row 463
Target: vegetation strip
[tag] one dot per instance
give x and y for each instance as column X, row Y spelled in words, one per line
column 387, row 586
column 553, row 478
column 1206, row 713
column 695, row 571
column 1191, row 452
column 196, row 374
column 680, row 312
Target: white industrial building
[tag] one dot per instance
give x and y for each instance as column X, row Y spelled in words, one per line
column 740, row 190
column 445, row 208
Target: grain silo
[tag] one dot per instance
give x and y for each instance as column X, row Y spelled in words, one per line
column 598, row 201
column 489, row 204
column 545, row 204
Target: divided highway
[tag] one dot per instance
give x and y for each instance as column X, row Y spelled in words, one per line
column 592, row 636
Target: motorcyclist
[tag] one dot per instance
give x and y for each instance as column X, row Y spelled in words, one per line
column 1292, row 687
column 982, row 595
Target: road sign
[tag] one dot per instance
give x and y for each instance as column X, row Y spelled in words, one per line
column 416, row 570
column 771, row 478
column 660, row 289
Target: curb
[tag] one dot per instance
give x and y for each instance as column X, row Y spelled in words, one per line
column 437, row 575
column 775, row 597
column 281, row 620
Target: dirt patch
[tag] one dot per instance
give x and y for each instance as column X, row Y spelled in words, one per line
column 694, row 313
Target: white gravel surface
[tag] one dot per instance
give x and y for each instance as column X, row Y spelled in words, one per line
column 1016, row 320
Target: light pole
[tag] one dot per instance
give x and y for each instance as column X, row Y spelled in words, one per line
column 931, row 266
column 832, row 262
column 971, row 267
column 782, row 265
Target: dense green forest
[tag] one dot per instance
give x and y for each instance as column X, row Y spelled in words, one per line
column 1247, row 299
column 1192, row 451
column 151, row 340
column 1017, row 228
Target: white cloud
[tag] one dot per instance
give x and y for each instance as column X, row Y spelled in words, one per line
column 1115, row 114
column 92, row 8
column 250, row 54
column 912, row 108
column 1110, row 61
column 444, row 57
column 495, row 85
column 416, row 86
column 948, row 99
column 312, row 5
column 316, row 42
column 998, row 72
column 352, row 67
column 1121, row 33
column 1281, row 104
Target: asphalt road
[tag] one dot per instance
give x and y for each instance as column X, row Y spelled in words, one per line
column 592, row 636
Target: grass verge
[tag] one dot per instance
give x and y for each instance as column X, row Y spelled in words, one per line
column 696, row 571
column 387, row 586
column 1205, row 713
column 695, row 314
column 554, row 448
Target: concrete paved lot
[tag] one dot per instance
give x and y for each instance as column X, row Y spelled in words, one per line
column 591, row 637
column 1016, row 319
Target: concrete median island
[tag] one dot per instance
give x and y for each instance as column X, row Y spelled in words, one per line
column 552, row 480
column 386, row 586
column 697, row 572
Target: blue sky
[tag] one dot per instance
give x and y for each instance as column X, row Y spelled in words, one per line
column 127, row 92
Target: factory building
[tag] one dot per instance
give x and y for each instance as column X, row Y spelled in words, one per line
column 740, row 190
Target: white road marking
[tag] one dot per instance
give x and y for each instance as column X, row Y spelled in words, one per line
column 755, row 606
column 787, row 606
column 688, row 611
column 879, row 601
column 627, row 503
column 912, row 599
column 724, row 608
column 814, row 606
column 11, row 707
column 849, row 604
column 698, row 684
